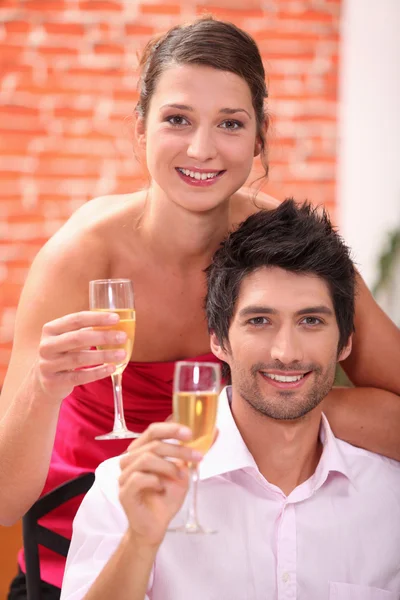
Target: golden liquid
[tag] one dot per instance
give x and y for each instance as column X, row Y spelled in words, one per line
column 197, row 410
column 126, row 323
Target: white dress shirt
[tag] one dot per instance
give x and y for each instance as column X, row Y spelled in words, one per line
column 334, row 537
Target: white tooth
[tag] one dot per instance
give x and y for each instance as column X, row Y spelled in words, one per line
column 187, row 172
column 285, row 378
column 197, row 175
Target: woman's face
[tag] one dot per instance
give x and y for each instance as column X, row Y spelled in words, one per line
column 200, row 135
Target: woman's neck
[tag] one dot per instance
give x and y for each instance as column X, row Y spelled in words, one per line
column 173, row 233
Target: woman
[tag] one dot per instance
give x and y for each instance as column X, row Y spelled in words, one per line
column 200, row 122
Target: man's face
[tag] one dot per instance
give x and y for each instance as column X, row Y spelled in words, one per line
column 283, row 343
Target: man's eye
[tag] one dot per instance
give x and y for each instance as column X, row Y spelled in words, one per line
column 177, row 120
column 232, row 125
column 258, row 321
column 311, row 321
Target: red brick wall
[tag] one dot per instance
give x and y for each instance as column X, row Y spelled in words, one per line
column 67, row 91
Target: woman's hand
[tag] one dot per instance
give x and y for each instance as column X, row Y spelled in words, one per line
column 154, row 480
column 65, row 355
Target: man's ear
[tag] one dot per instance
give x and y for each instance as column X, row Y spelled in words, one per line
column 140, row 131
column 345, row 352
column 217, row 349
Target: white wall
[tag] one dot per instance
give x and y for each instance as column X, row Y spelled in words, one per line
column 369, row 129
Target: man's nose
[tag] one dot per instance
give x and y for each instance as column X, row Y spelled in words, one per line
column 286, row 346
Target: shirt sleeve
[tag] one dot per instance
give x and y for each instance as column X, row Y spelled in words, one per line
column 98, row 528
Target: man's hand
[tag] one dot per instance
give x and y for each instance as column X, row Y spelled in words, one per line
column 154, row 480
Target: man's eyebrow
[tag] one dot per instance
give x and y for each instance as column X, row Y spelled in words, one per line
column 266, row 310
column 321, row 310
column 260, row 310
column 224, row 111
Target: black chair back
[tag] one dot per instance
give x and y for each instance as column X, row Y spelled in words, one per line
column 35, row 534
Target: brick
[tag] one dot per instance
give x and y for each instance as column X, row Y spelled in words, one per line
column 309, row 15
column 229, row 12
column 69, row 112
column 17, row 27
column 114, row 49
column 75, row 29
column 45, row 6
column 232, row 5
column 57, row 51
column 133, row 29
column 101, row 5
column 160, row 9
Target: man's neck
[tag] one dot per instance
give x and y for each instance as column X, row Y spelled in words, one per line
column 286, row 452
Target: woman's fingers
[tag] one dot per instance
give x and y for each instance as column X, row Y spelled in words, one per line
column 80, row 360
column 80, row 339
column 80, row 320
column 55, row 383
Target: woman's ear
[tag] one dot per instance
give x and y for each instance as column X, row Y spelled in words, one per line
column 261, row 137
column 345, row 352
column 140, row 132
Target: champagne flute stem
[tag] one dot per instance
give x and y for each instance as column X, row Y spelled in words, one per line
column 119, row 419
column 192, row 523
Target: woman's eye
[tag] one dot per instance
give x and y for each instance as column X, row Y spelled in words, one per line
column 258, row 321
column 231, row 125
column 311, row 321
column 177, row 120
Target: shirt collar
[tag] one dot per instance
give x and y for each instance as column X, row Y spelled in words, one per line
column 230, row 453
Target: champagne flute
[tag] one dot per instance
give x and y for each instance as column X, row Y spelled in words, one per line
column 196, row 389
column 116, row 295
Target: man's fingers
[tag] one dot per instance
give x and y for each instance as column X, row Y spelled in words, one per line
column 163, row 431
column 151, row 463
column 138, row 482
column 163, row 450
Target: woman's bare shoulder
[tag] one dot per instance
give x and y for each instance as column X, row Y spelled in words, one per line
column 95, row 223
column 82, row 248
column 248, row 201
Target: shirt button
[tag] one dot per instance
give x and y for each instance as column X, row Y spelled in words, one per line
column 285, row 577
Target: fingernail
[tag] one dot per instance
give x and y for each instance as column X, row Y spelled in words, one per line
column 112, row 317
column 120, row 336
column 185, row 432
column 119, row 354
column 196, row 455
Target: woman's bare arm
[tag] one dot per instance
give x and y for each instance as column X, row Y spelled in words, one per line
column 375, row 357
column 366, row 417
column 56, row 286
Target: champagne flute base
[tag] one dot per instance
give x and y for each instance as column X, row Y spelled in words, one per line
column 118, row 435
column 191, row 529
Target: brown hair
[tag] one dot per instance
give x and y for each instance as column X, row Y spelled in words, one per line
column 211, row 43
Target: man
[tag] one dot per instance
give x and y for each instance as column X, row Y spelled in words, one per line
column 298, row 513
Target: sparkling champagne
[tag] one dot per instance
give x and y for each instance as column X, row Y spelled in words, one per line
column 127, row 324
column 197, row 410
